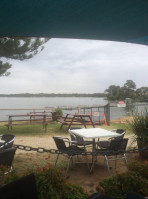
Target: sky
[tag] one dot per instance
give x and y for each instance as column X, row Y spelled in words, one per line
column 78, row 66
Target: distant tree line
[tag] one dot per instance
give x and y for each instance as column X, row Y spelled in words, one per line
column 53, row 95
column 128, row 90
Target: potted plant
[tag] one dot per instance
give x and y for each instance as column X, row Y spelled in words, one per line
column 139, row 127
column 58, row 113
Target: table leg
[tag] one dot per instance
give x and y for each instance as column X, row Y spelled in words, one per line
column 70, row 123
column 44, row 122
column 66, row 118
column 91, row 121
column 9, row 123
column 83, row 121
column 93, row 156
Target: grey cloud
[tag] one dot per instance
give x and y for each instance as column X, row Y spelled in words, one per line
column 78, row 66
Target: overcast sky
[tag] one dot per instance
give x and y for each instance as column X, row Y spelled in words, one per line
column 78, row 66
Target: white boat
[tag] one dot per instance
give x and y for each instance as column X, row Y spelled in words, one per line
column 121, row 104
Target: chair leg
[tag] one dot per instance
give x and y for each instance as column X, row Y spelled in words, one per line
column 72, row 160
column 125, row 159
column 107, row 163
column 11, row 169
column 56, row 160
column 91, row 169
column 78, row 158
column 68, row 166
column 115, row 162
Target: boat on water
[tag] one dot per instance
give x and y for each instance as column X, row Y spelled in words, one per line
column 121, row 104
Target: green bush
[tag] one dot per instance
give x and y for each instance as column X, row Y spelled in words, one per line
column 139, row 126
column 139, row 168
column 59, row 111
column 133, row 180
column 50, row 184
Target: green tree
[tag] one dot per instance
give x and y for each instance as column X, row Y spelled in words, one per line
column 142, row 91
column 113, row 92
column 18, row 49
column 130, row 84
column 120, row 93
column 129, row 89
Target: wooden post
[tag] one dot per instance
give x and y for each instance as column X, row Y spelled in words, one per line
column 79, row 110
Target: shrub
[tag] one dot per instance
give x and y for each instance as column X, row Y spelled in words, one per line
column 133, row 180
column 139, row 126
column 139, row 168
column 50, row 184
column 59, row 111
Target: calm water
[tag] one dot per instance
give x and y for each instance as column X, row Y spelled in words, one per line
column 42, row 102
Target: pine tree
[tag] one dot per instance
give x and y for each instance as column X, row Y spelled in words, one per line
column 18, row 49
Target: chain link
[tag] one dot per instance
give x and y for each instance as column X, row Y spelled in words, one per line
column 55, row 151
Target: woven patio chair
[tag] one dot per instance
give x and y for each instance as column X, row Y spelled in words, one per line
column 69, row 150
column 6, row 158
column 78, row 140
column 7, row 141
column 117, row 149
column 106, row 143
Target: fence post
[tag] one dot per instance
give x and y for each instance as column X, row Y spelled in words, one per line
column 79, row 110
column 107, row 113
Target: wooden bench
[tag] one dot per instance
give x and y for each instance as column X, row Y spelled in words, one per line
column 62, row 122
column 28, row 122
column 33, row 118
column 76, row 119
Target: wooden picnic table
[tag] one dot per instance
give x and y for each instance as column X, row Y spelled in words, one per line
column 76, row 119
column 32, row 117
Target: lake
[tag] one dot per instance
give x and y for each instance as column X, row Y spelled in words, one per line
column 35, row 103
column 42, row 102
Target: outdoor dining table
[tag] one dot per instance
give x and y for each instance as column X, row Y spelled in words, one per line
column 93, row 133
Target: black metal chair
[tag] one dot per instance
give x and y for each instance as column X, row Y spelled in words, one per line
column 117, row 149
column 69, row 150
column 7, row 141
column 106, row 143
column 6, row 157
column 78, row 140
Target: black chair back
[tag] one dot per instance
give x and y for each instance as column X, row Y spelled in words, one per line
column 9, row 140
column 73, row 137
column 120, row 131
column 61, row 146
column 7, row 156
column 118, row 144
column 77, row 138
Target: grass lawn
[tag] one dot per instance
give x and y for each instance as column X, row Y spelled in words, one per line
column 52, row 128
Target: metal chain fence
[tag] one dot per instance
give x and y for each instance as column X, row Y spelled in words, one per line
column 55, row 151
